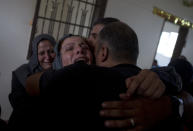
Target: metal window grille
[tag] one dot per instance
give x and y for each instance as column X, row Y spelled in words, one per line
column 59, row 17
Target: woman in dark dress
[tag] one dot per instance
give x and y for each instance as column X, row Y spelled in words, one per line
column 42, row 58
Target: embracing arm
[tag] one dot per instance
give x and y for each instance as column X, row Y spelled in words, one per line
column 170, row 78
column 44, row 82
column 145, row 112
column 188, row 106
column 32, row 84
column 154, row 83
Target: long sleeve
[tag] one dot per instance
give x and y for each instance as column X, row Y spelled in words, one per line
column 170, row 78
column 17, row 97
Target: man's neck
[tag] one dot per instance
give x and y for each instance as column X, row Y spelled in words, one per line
column 115, row 63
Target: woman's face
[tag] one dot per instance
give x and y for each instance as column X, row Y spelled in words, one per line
column 74, row 49
column 46, row 54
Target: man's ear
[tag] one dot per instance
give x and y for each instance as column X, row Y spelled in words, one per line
column 104, row 53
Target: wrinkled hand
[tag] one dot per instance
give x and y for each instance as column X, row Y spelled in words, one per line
column 146, row 83
column 145, row 112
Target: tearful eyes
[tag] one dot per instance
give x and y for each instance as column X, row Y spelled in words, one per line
column 83, row 46
column 44, row 52
column 69, row 48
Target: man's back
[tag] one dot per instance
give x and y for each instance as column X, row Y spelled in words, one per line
column 73, row 95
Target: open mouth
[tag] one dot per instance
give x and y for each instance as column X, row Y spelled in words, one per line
column 48, row 63
column 81, row 59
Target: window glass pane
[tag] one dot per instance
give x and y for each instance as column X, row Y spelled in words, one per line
column 167, row 43
column 165, row 48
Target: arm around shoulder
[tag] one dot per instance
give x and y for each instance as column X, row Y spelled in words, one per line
column 188, row 106
column 32, row 84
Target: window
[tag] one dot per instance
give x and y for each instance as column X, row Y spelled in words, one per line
column 171, row 43
column 166, row 47
column 59, row 17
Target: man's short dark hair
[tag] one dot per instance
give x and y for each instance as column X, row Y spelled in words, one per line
column 105, row 21
column 121, row 40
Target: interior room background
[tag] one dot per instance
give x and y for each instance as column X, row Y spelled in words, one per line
column 15, row 32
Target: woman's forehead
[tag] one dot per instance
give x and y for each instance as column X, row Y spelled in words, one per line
column 44, row 43
column 73, row 39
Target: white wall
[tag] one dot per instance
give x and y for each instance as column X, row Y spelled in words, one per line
column 15, row 33
column 138, row 14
